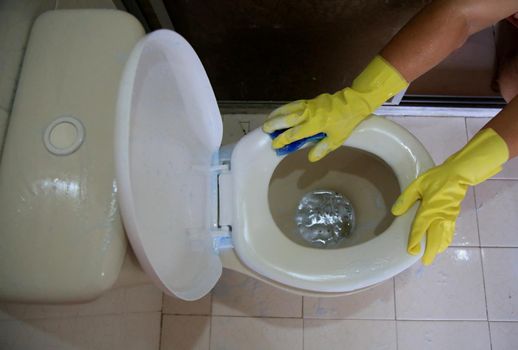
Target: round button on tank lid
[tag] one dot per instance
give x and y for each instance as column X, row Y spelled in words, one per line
column 64, row 136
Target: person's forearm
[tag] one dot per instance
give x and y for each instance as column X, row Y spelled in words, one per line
column 440, row 28
column 506, row 125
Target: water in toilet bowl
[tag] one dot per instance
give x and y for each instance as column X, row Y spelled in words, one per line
column 324, row 218
column 364, row 180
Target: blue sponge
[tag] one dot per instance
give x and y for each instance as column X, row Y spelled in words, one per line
column 292, row 147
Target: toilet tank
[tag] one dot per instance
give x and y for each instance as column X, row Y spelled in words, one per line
column 61, row 235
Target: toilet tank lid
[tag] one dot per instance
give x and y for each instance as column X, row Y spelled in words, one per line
column 168, row 127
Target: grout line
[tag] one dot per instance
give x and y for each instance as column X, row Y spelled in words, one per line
column 466, row 128
column 485, row 296
column 303, row 323
column 490, row 338
column 211, row 304
column 74, row 316
column 276, row 317
column 498, row 179
column 355, row 319
column 210, row 331
column 394, row 288
column 161, row 330
column 210, row 320
column 326, row 319
column 397, row 334
column 163, row 302
column 302, row 310
column 303, row 330
column 161, row 321
column 484, row 246
column 395, row 312
column 173, row 314
column 478, row 227
column 489, row 246
column 449, row 321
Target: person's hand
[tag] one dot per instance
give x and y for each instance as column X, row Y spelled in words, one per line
column 335, row 115
column 440, row 206
column 442, row 189
column 338, row 114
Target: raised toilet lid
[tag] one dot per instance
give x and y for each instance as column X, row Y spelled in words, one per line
column 168, row 128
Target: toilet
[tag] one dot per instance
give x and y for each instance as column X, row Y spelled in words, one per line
column 116, row 135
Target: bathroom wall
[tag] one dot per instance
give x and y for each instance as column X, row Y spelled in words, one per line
column 287, row 50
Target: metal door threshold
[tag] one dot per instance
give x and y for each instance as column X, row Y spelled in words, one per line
column 411, row 105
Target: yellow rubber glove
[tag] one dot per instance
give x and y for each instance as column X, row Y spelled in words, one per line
column 338, row 114
column 442, row 189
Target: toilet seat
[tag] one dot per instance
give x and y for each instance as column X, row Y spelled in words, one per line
column 168, row 134
column 261, row 245
column 168, row 128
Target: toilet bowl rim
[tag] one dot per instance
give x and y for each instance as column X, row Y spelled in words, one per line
column 248, row 148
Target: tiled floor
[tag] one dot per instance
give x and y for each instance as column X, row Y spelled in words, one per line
column 468, row 299
column 124, row 318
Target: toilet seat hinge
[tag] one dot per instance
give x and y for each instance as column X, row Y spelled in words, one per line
column 221, row 228
column 221, row 239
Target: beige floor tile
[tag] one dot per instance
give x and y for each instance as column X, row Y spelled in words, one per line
column 504, row 335
column 238, row 333
column 185, row 333
column 349, row 334
column 181, row 307
column 374, row 303
column 449, row 289
column 236, row 126
column 111, row 332
column 441, row 136
column 510, row 170
column 238, row 295
column 496, row 209
column 473, row 125
column 142, row 298
column 501, row 280
column 443, row 335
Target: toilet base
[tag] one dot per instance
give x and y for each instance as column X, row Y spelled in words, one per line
column 231, row 261
column 131, row 273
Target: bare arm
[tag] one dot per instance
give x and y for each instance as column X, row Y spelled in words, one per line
column 506, row 125
column 440, row 28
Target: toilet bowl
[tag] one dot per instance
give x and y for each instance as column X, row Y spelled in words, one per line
column 189, row 206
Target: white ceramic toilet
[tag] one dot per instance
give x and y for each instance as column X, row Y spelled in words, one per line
column 189, row 207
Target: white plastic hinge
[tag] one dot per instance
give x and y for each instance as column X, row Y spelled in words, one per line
column 221, row 228
column 221, row 239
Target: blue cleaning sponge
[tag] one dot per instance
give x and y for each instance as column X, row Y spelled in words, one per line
column 292, row 147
